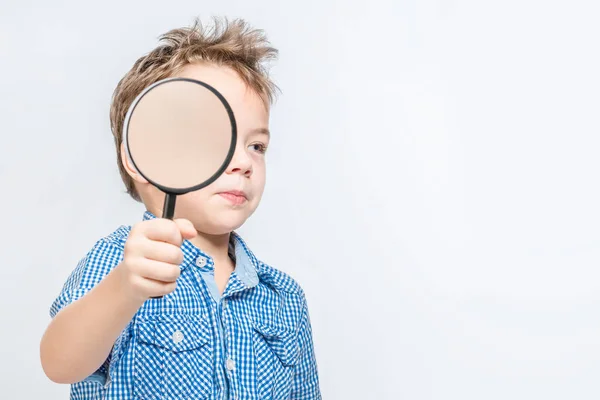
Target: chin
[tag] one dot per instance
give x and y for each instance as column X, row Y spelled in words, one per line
column 223, row 222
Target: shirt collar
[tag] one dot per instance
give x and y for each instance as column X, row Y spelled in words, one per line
column 246, row 264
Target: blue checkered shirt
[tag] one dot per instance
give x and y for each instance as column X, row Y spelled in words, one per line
column 252, row 342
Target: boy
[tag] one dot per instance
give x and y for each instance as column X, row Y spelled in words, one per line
column 228, row 326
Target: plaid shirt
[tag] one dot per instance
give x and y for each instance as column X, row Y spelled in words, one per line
column 252, row 342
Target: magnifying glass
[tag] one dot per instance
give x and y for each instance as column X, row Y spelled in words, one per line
column 180, row 135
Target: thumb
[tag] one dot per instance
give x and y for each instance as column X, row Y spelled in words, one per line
column 187, row 229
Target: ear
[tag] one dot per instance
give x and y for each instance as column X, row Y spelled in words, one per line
column 135, row 175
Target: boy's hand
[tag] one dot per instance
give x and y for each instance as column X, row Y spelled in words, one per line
column 152, row 256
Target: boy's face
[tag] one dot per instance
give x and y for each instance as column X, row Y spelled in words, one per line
column 210, row 209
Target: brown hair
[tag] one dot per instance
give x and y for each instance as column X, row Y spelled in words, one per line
column 233, row 44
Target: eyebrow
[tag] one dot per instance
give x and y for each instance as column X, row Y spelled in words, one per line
column 263, row 131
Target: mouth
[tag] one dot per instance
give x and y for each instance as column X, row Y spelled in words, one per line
column 235, row 197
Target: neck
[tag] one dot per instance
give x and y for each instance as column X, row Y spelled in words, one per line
column 215, row 246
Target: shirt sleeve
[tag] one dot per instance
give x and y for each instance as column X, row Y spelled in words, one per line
column 306, row 378
column 90, row 270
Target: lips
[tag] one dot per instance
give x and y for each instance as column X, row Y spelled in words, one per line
column 235, row 197
column 235, row 193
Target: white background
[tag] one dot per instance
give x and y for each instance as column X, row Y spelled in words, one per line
column 432, row 183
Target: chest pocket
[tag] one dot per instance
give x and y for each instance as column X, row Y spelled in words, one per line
column 173, row 358
column 276, row 354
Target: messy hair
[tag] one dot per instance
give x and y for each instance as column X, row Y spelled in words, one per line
column 229, row 43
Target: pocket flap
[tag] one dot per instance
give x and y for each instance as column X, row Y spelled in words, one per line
column 174, row 332
column 282, row 340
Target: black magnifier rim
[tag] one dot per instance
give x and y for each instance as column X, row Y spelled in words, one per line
column 230, row 153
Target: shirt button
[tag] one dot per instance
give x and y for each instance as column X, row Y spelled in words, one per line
column 177, row 336
column 230, row 364
column 200, row 261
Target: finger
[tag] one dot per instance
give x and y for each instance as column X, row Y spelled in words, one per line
column 161, row 251
column 158, row 271
column 157, row 288
column 186, row 228
column 164, row 230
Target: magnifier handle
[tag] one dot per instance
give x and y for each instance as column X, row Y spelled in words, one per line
column 168, row 212
column 169, row 206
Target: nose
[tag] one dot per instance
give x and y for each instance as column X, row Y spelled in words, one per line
column 240, row 163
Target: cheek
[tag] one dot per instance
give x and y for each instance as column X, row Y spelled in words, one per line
column 258, row 185
column 192, row 200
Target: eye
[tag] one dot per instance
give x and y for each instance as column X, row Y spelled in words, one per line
column 260, row 147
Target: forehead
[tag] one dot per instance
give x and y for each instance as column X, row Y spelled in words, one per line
column 248, row 107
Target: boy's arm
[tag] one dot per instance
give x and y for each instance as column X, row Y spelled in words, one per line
column 88, row 318
column 100, row 299
column 306, row 377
